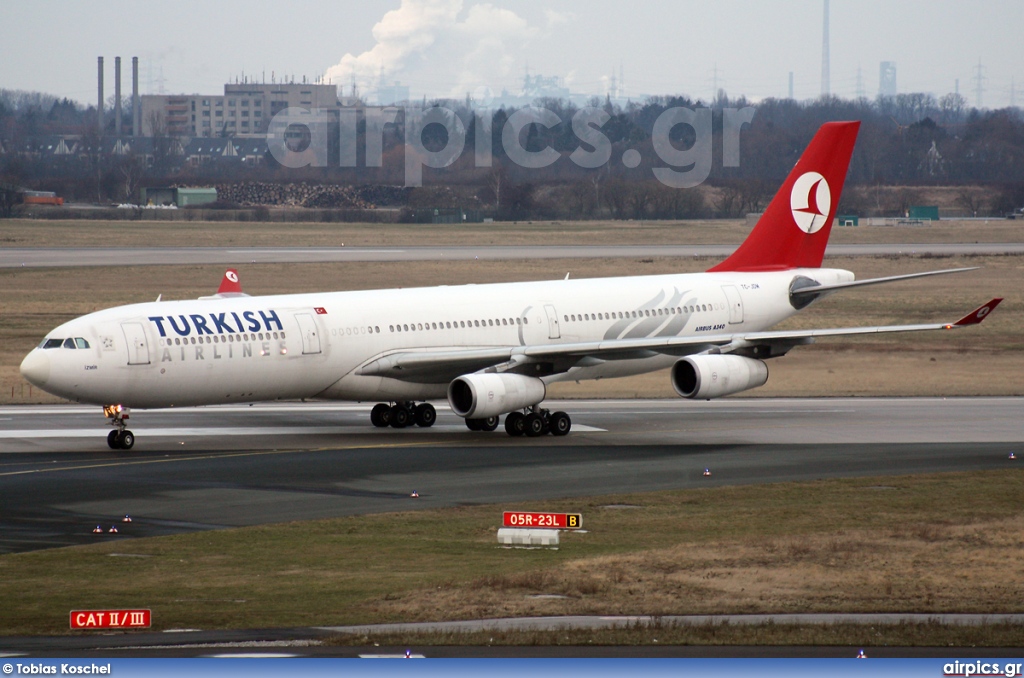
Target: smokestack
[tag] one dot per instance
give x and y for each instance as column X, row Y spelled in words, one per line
column 117, row 96
column 99, row 98
column 826, row 88
column 136, row 105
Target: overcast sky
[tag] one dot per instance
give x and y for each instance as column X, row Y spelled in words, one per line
column 449, row 47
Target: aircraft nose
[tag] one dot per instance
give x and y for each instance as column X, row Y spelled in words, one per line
column 36, row 368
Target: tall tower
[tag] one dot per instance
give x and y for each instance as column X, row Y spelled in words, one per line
column 979, row 83
column 99, row 95
column 826, row 88
column 136, row 110
column 117, row 96
column 887, row 79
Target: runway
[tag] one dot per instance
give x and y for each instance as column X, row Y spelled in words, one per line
column 208, row 468
column 147, row 256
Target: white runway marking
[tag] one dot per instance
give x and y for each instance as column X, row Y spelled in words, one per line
column 191, row 432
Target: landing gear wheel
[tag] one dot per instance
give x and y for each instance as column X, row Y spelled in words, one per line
column 473, row 424
column 380, row 415
column 126, row 440
column 533, row 425
column 112, row 440
column 400, row 416
column 515, row 424
column 489, row 424
column 425, row 415
column 559, row 423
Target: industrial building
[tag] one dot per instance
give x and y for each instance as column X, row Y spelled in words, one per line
column 244, row 110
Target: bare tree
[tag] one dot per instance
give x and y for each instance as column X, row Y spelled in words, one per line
column 970, row 201
column 130, row 169
column 496, row 179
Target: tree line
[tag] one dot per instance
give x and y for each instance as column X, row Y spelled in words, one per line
column 912, row 141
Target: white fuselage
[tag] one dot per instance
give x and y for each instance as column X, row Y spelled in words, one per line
column 245, row 349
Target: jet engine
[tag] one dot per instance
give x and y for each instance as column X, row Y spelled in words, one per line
column 712, row 376
column 478, row 396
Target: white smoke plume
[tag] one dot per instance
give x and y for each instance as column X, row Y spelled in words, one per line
column 442, row 49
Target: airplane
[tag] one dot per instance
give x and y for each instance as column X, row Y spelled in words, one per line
column 490, row 350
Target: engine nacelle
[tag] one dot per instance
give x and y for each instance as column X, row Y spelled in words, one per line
column 478, row 396
column 713, row 376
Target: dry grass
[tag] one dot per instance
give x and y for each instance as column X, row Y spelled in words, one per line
column 666, row 633
column 929, row 544
column 931, row 567
column 85, row 233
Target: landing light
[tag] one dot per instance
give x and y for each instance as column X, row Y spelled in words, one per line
column 112, row 410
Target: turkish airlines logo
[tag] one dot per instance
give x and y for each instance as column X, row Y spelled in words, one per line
column 810, row 201
column 982, row 312
column 232, row 276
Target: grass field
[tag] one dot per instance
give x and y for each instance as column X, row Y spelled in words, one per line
column 85, row 233
column 922, row 544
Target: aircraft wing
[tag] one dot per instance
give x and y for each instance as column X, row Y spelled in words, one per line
column 435, row 366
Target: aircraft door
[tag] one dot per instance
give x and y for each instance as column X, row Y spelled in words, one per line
column 554, row 332
column 138, row 344
column 735, row 302
column 310, row 334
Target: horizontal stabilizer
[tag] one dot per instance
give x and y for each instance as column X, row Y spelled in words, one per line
column 819, row 289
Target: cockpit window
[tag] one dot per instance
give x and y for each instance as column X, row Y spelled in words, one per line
column 69, row 343
column 81, row 343
column 51, row 343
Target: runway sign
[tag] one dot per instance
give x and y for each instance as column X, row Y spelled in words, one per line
column 111, row 619
column 551, row 521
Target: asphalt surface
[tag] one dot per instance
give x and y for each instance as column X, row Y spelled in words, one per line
column 215, row 467
column 142, row 256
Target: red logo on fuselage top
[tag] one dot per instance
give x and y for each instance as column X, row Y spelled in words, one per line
column 320, row 310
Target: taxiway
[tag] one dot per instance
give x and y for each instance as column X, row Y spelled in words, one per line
column 216, row 467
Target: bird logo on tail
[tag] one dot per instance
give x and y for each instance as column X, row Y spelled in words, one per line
column 810, row 201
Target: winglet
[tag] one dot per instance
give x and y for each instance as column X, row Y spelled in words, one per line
column 978, row 314
column 230, row 283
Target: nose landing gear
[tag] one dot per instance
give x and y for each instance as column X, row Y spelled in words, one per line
column 120, row 438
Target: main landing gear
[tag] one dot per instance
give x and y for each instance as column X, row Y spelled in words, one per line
column 120, row 438
column 532, row 423
column 536, row 423
column 403, row 414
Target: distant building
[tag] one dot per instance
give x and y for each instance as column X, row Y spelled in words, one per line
column 244, row 110
column 887, row 79
column 389, row 95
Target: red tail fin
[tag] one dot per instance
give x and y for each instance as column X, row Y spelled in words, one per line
column 230, row 284
column 793, row 231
